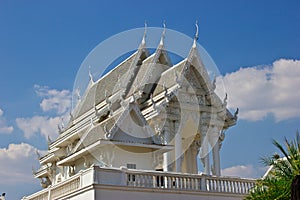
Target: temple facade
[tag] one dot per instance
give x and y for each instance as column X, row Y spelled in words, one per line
column 141, row 128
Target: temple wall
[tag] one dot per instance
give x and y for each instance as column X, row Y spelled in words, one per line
column 131, row 155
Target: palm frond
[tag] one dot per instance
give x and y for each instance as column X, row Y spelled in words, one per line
column 277, row 184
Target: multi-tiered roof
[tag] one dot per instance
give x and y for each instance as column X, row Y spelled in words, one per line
column 125, row 108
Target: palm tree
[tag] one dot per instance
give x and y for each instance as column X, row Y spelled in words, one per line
column 284, row 173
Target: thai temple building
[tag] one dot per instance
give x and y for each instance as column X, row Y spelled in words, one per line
column 138, row 131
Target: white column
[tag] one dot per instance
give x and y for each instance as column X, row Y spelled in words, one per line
column 214, row 142
column 205, row 157
column 167, row 155
column 178, row 151
column 216, row 159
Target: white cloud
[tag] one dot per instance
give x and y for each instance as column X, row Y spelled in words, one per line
column 46, row 126
column 16, row 162
column 52, row 99
column 3, row 127
column 59, row 101
column 244, row 171
column 263, row 90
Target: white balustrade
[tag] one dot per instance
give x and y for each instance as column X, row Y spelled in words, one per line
column 144, row 179
column 169, row 180
column 56, row 191
column 66, row 188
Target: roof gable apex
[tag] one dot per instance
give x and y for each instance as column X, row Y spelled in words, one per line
column 194, row 60
column 131, row 126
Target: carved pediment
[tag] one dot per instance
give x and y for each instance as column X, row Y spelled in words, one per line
column 131, row 126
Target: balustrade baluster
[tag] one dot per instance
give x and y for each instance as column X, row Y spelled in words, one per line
column 233, row 187
column 218, row 182
column 173, row 179
column 167, row 182
column 192, row 180
column 174, row 182
column 248, row 187
column 146, row 180
column 198, row 183
column 236, row 187
column 220, row 185
column 149, row 181
column 243, row 187
column 127, row 179
column 159, row 181
column 209, row 181
column 226, row 186
column 187, row 183
column 143, row 180
column 216, row 185
column 229, row 186
column 212, row 186
column 139, row 180
column 239, row 183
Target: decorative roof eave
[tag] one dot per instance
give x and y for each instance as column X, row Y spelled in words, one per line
column 42, row 172
column 94, row 127
column 230, row 119
column 48, row 158
column 161, row 99
column 106, row 111
column 93, row 85
column 76, row 111
column 68, row 138
column 83, row 137
column 81, row 124
column 109, row 134
column 83, row 152
column 73, row 157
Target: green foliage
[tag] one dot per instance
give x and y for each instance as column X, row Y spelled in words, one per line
column 277, row 184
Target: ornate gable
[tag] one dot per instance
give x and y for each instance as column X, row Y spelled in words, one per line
column 151, row 71
column 130, row 126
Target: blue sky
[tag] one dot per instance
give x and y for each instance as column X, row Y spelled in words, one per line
column 43, row 43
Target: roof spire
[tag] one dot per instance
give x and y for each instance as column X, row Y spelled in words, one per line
column 77, row 91
column 196, row 35
column 90, row 75
column 145, row 34
column 163, row 34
